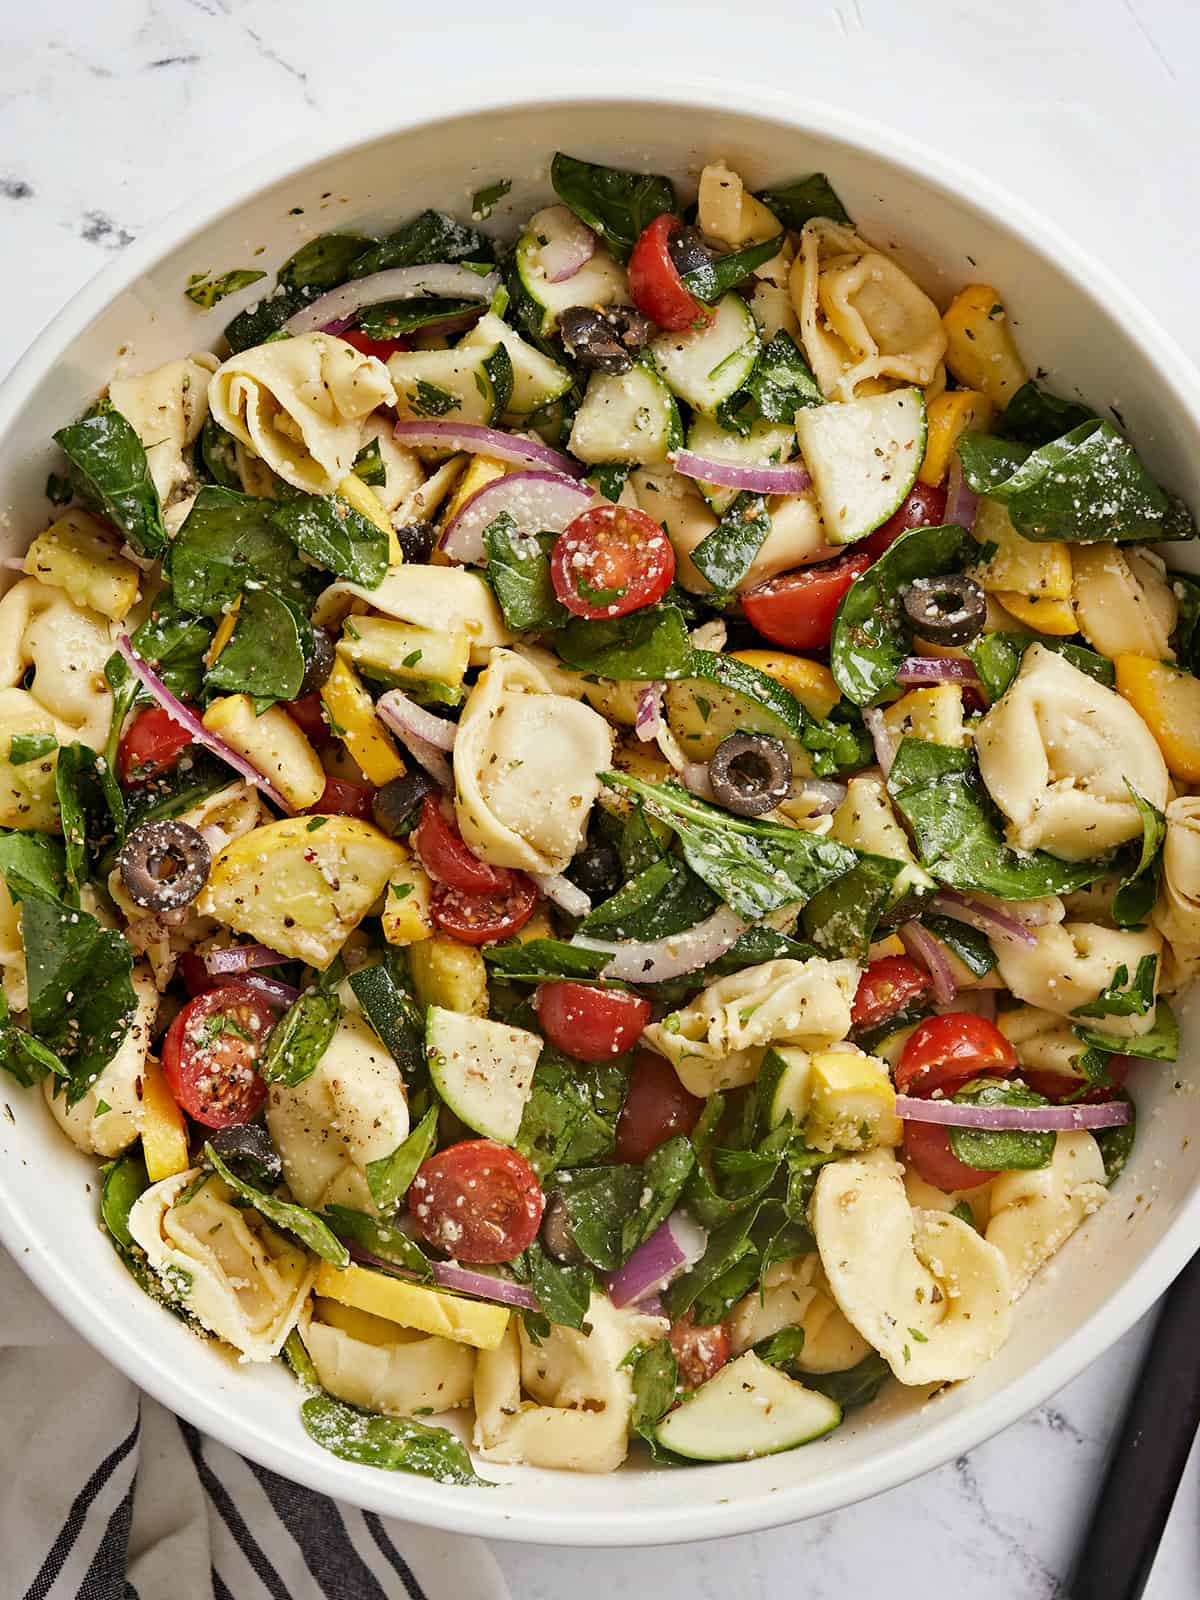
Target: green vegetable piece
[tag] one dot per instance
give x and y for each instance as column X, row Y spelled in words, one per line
column 664, row 1174
column 295, row 1354
column 484, row 201
column 1034, row 416
column 324, row 262
column 26, row 747
column 781, row 1349
column 175, row 645
column 803, row 199
column 721, row 273
column 22, row 1056
column 395, row 1017
column 389, row 1178
column 655, row 1387
column 1119, row 997
column 430, row 236
column 648, row 645
column 564, row 1293
column 1186, row 590
column 780, row 383
column 663, row 899
column 110, row 474
column 857, row 1386
column 519, row 572
column 394, row 1444
column 1116, row 1144
column 301, row 1038
column 1138, row 889
column 972, row 948
column 842, row 918
column 1160, row 1044
column 303, row 1224
column 368, row 465
column 264, row 657
column 206, row 289
column 125, row 1181
column 615, row 204
column 997, row 659
column 328, row 530
column 599, row 1200
column 571, row 1114
column 726, row 555
column 227, row 541
column 539, row 959
column 378, row 1238
column 1004, row 1151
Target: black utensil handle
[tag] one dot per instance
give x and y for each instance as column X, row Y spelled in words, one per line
column 1148, row 1456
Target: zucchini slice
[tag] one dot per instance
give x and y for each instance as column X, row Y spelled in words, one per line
column 748, row 1409
column 864, row 456
column 706, row 365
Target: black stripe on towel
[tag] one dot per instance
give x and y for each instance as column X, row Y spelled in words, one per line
column 314, row 1523
column 71, row 1528
column 380, row 1535
column 231, row 1516
column 105, row 1578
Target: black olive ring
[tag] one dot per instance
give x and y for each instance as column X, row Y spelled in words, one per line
column 750, row 773
column 949, row 610
column 164, row 865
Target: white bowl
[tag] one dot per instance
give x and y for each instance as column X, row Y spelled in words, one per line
column 1071, row 319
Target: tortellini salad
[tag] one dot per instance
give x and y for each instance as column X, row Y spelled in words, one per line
column 600, row 822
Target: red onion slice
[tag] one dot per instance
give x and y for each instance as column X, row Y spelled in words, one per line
column 480, row 441
column 279, row 994
column 656, row 960
column 461, row 1280
column 918, row 670
column 537, row 501
column 924, row 948
column 240, row 958
column 962, row 503
column 179, row 713
column 571, row 246
column 405, row 716
column 881, row 738
column 788, row 478
column 1021, row 1119
column 671, row 1249
column 649, row 711
column 978, row 914
column 568, row 896
column 443, row 279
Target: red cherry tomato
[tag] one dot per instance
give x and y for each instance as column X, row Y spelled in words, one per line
column 945, row 1051
column 211, row 1051
column 887, row 986
column 656, row 1108
column 699, row 1352
column 484, row 918
column 1059, row 1087
column 151, row 745
column 381, row 349
column 928, row 1147
column 925, row 507
column 446, row 857
column 341, row 798
column 589, row 1023
column 306, row 713
column 797, row 609
column 655, row 285
column 611, row 561
column 478, row 1201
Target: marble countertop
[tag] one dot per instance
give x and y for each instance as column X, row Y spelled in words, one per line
column 107, row 115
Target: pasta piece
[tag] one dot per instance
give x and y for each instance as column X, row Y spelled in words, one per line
column 273, row 743
column 77, row 555
column 1035, row 1213
column 446, row 599
column 922, row 1287
column 27, row 794
column 13, row 984
column 795, row 1294
column 1123, row 602
column 1045, row 1040
column 924, row 1197
column 1070, row 964
column 770, row 300
column 525, row 767
column 717, row 1041
column 224, row 1263
column 378, row 1365
column 108, row 1132
column 167, row 408
column 66, row 648
column 1055, row 753
column 403, row 473
column 1177, row 914
column 861, row 316
column 727, row 213
column 348, row 1112
column 300, row 404
column 865, row 820
column 582, row 1394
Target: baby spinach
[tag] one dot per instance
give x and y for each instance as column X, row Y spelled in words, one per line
column 839, row 744
column 1119, row 997
column 664, row 1173
column 971, row 947
column 1186, row 589
column 1116, row 1144
column 175, row 645
column 395, row 1017
column 663, row 899
column 31, row 864
column 303, row 1224
column 394, row 1444
column 1035, row 417
column 214, row 456
column 205, row 289
column 330, row 532
column 564, row 1293
column 228, row 541
column 264, row 657
column 539, row 959
column 110, row 474
column 997, row 659
column 368, row 464
column 125, row 1181
column 194, row 778
column 518, row 570
column 91, row 809
column 655, row 1378
column 392, row 319
column 598, row 1202
column 719, row 274
column 1138, row 889
column 378, row 1238
column 317, row 266
column 803, row 199
column 951, row 817
column 615, row 204
column 726, row 1270
column 648, row 645
column 26, row 747
column 781, row 1349
column 389, row 1178
column 1160, row 1044
column 484, row 201
column 871, row 633
column 755, row 867
column 779, row 384
column 571, row 1115
column 842, row 918
column 300, row 1363
column 1003, row 1151
column 301, row 1038
column 23, row 1056
column 726, row 555
column 428, row 237
column 856, row 1386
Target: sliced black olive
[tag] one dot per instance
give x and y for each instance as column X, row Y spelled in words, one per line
column 164, row 865
column 416, row 540
column 688, row 250
column 949, row 610
column 558, row 1239
column 395, row 805
column 750, row 773
column 249, row 1142
column 319, row 664
column 597, row 870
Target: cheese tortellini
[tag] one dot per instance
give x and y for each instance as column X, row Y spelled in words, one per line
column 717, row 1041
column 371, row 1362
column 526, row 765
column 1177, row 914
column 1055, row 753
column 106, row 1132
column 446, row 599
column 581, row 1394
column 861, row 316
column 13, row 983
column 224, row 1263
column 1033, row 1214
column 796, row 1294
column 1071, row 962
column 921, row 1287
column 348, row 1112
column 300, row 405
column 167, row 408
column 1123, row 602
column 66, row 648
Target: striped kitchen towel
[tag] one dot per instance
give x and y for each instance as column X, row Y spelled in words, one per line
column 104, row 1495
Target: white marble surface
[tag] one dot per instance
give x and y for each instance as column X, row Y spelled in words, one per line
column 110, row 112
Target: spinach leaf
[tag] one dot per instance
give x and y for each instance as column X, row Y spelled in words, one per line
column 484, row 201
column 430, row 236
column 228, row 541
column 664, row 1173
column 598, row 1201
column 395, row 1017
column 1116, row 1144
column 997, row 659
column 803, row 199
column 564, row 1293
column 639, row 841
column 22, row 1056
column 971, row 947
column 781, row 1349
column 726, row 555
column 125, row 1181
column 300, row 1363
column 264, row 657
column 193, row 779
column 655, row 1386
column 26, row 747
column 839, row 744
column 1160, row 1044
column 663, row 899
column 518, row 570
column 205, row 289
column 1035, row 417
column 649, row 644
column 368, row 464
column 779, row 384
column 939, row 794
column 58, row 489
column 539, row 959
column 856, row 1386
column 299, row 1221
column 327, row 529
column 871, row 633
column 729, row 1247
column 395, row 1444
column 719, row 274
column 301, row 1038
column 609, row 478
column 1138, row 889
column 615, row 204
column 378, row 1238
column 1119, row 997
column 1005, row 1151
column 571, row 1114
column 214, row 456
column 32, row 864
column 91, row 809
column 1087, row 485
column 391, row 319
column 175, row 645
column 755, row 867
column 110, row 474
column 1186, row 590
column 321, row 264
column 842, row 918
column 389, row 1178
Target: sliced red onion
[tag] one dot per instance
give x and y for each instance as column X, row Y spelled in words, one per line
column 652, row 1306
column 983, row 1003
column 240, row 958
column 962, row 503
column 649, row 711
column 443, row 279
column 279, row 994
column 337, row 326
column 179, row 713
column 568, row 896
column 476, row 440
column 825, row 794
column 537, row 501
column 1022, row 1119
column 978, row 914
column 405, row 716
column 923, row 947
column 881, row 738
column 788, row 478
column 571, row 246
column 671, row 1249
column 656, row 960
column 918, row 670
column 484, row 1287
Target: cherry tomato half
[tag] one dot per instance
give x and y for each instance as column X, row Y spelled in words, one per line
column 589, row 1023
column 211, row 1051
column 306, row 713
column 945, row 1051
column 925, row 507
column 655, row 285
column 478, row 1201
column 927, row 1146
column 887, row 986
column 699, row 1352
column 151, row 745
column 656, row 1108
column 797, row 609
column 610, row 561
column 381, row 349
column 445, row 856
column 484, row 918
column 341, row 798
